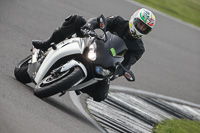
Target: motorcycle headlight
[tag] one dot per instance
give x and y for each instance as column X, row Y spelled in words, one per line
column 92, row 52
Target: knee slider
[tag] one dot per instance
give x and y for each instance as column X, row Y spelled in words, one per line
column 69, row 20
column 80, row 21
column 100, row 98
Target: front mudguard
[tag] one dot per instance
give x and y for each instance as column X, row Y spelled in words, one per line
column 73, row 63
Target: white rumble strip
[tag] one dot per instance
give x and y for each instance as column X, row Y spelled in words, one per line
column 135, row 112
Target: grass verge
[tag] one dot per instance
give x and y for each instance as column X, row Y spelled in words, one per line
column 186, row 10
column 178, row 126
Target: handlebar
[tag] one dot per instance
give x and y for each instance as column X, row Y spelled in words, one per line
column 89, row 32
column 92, row 33
column 101, row 24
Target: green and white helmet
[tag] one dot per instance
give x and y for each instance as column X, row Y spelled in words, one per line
column 141, row 23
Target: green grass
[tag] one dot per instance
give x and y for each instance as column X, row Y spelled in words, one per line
column 186, row 10
column 178, row 126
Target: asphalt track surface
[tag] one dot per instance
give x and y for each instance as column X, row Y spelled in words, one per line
column 170, row 65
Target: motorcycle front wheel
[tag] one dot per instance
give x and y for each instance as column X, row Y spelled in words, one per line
column 55, row 83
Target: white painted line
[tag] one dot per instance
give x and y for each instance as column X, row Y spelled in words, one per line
column 163, row 14
column 153, row 95
column 77, row 103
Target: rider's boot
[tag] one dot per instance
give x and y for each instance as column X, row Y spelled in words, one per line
column 41, row 45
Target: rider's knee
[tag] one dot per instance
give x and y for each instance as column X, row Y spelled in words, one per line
column 100, row 97
column 77, row 20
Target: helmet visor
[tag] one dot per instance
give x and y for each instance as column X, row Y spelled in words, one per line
column 141, row 26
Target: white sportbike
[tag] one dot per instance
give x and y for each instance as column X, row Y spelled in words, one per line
column 74, row 64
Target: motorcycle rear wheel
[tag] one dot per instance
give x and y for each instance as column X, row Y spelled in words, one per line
column 54, row 84
column 20, row 71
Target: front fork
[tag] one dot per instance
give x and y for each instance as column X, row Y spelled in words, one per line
column 35, row 53
column 34, row 65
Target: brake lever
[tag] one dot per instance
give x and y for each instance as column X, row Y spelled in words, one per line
column 92, row 34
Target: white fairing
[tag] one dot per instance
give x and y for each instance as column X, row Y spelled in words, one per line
column 65, row 48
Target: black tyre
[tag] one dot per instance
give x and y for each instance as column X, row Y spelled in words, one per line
column 54, row 84
column 20, row 71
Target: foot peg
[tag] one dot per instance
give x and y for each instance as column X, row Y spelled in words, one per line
column 78, row 92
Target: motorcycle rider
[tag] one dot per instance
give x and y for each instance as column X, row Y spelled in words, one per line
column 140, row 23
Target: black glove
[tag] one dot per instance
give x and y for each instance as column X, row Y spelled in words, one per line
column 86, row 29
column 87, row 26
column 118, row 72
